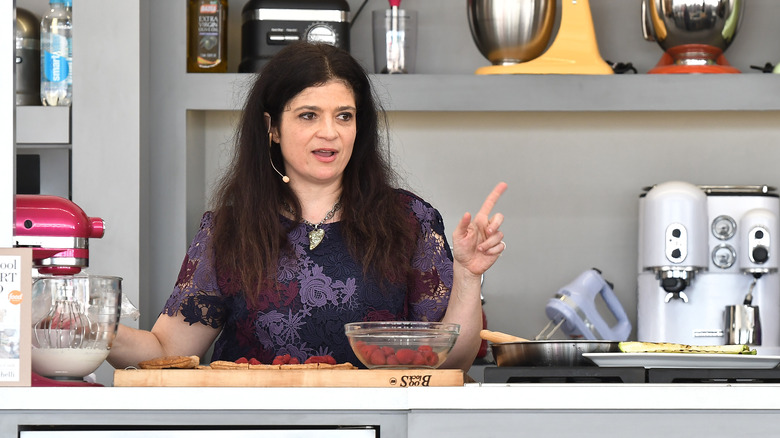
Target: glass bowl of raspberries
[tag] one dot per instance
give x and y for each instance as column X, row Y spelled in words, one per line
column 401, row 344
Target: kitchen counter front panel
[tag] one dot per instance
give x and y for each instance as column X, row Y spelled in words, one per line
column 475, row 410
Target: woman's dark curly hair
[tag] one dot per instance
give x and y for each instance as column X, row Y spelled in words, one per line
column 248, row 237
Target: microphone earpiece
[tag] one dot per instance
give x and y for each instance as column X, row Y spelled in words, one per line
column 285, row 178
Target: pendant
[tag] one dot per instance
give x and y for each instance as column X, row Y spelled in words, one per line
column 315, row 237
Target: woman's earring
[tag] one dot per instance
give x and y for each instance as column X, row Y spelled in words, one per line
column 270, row 139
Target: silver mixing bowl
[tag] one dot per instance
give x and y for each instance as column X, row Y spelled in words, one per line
column 511, row 31
column 673, row 23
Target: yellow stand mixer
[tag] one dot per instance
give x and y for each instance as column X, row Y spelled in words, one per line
column 574, row 51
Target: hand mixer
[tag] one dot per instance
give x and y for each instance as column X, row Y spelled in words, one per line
column 574, row 310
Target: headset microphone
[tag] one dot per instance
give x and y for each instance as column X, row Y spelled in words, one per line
column 285, row 178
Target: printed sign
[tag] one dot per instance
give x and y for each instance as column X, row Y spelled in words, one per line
column 15, row 314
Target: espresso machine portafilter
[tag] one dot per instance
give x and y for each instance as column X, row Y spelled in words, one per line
column 707, row 265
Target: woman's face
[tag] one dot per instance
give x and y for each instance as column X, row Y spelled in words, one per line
column 317, row 133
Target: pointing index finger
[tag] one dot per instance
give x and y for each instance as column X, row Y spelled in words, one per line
column 492, row 198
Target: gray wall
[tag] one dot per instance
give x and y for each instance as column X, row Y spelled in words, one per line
column 574, row 181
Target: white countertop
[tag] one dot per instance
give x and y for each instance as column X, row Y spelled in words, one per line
column 526, row 396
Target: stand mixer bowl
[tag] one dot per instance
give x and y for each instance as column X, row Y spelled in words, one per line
column 75, row 319
column 509, row 32
column 679, row 23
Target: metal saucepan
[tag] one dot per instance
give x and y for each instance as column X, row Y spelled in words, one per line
column 513, row 351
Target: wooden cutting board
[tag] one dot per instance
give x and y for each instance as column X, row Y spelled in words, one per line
column 289, row 378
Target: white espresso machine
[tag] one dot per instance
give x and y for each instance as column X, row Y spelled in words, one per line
column 704, row 250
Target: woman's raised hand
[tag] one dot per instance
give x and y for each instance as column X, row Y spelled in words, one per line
column 477, row 243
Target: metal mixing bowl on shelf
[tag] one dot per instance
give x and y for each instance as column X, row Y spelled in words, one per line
column 402, row 344
column 511, row 31
column 674, row 23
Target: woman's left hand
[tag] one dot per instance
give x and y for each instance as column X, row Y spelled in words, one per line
column 478, row 243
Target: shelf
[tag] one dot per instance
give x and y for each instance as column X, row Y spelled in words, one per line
column 630, row 92
column 43, row 125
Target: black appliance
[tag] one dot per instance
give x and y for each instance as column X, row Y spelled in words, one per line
column 587, row 374
column 269, row 25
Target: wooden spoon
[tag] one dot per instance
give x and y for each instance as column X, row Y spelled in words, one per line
column 498, row 337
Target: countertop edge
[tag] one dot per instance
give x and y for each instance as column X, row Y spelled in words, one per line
column 492, row 397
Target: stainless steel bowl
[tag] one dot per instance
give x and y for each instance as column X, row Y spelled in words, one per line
column 674, row 23
column 511, row 31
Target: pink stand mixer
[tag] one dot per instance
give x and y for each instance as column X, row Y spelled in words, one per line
column 58, row 231
column 74, row 315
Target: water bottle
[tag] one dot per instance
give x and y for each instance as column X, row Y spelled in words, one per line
column 57, row 54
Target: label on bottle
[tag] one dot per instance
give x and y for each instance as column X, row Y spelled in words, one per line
column 56, row 67
column 208, row 35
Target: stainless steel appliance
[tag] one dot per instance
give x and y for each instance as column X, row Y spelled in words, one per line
column 694, row 34
column 514, row 35
column 269, row 25
column 703, row 249
column 28, row 58
column 630, row 374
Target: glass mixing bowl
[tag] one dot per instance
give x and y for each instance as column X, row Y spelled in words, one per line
column 74, row 319
column 402, row 344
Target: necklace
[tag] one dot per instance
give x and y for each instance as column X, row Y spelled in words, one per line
column 317, row 234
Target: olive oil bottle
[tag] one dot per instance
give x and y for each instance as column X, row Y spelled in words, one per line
column 207, row 36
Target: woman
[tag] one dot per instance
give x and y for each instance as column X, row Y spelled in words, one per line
column 308, row 233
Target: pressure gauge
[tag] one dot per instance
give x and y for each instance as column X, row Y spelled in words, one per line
column 322, row 33
column 724, row 227
column 724, row 256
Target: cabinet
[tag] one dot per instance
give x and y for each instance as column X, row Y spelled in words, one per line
column 31, row 119
column 43, row 149
column 559, row 410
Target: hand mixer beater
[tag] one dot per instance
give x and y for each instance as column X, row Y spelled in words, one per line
column 574, row 310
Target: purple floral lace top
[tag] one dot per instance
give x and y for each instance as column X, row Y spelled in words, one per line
column 316, row 292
